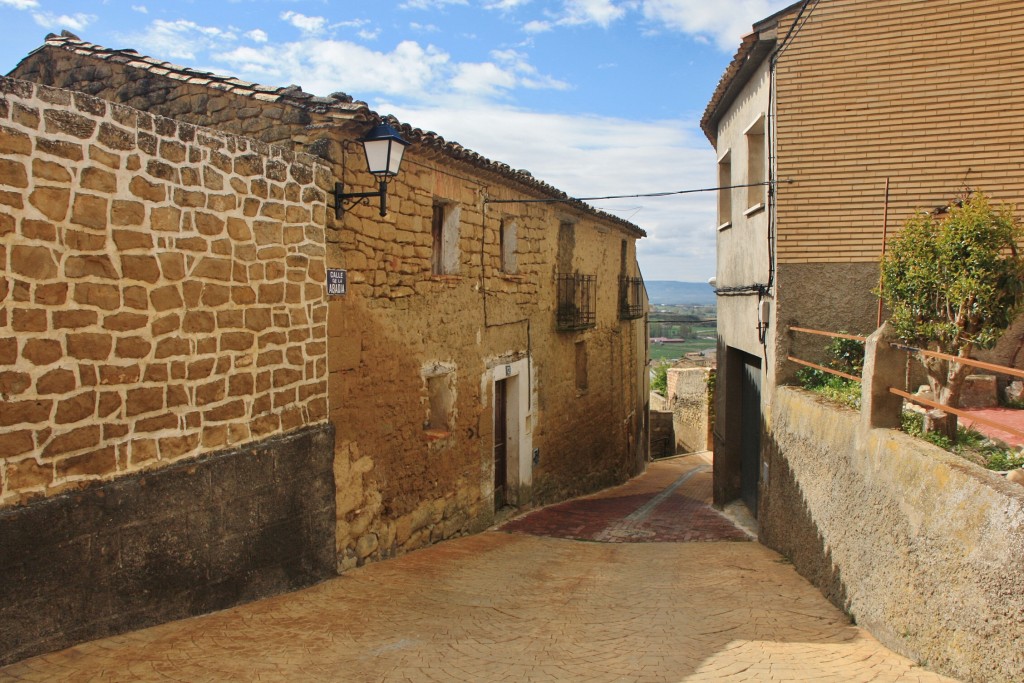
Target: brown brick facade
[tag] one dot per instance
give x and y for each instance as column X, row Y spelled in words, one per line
column 923, row 93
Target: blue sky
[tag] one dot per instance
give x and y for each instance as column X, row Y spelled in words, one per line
column 595, row 97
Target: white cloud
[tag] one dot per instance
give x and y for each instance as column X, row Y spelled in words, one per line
column 323, row 66
column 589, row 156
column 304, row 23
column 367, row 34
column 600, row 12
column 141, row 9
column 724, row 22
column 505, row 5
column 75, row 22
column 180, row 39
column 424, row 28
column 20, row 4
column 430, row 4
column 410, row 71
column 257, row 35
column 483, row 79
column 537, row 27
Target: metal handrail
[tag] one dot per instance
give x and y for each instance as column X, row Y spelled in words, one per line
column 834, row 335
column 1002, row 369
column 838, row 335
column 955, row 411
column 831, row 371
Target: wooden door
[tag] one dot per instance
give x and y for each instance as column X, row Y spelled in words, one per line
column 500, row 443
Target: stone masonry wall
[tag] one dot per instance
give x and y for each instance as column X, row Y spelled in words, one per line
column 161, row 287
column 401, row 485
column 688, row 398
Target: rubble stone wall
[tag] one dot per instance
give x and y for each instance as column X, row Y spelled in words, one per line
column 162, row 291
column 688, row 400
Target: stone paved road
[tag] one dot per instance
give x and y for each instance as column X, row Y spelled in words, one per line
column 514, row 606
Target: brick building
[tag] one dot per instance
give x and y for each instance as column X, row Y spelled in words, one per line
column 832, row 98
column 188, row 415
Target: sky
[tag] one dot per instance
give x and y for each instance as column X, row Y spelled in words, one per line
column 595, row 97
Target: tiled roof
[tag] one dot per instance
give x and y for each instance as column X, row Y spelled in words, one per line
column 337, row 105
column 753, row 49
column 291, row 94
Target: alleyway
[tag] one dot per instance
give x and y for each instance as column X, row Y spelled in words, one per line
column 538, row 600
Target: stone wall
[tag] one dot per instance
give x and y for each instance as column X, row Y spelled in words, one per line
column 688, row 397
column 401, row 485
column 406, row 476
column 164, row 449
column 916, row 544
column 162, row 291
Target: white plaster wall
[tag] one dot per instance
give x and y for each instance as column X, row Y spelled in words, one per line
column 742, row 247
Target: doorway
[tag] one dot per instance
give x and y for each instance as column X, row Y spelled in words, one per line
column 750, row 430
column 501, row 432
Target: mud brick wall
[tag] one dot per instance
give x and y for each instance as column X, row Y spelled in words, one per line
column 161, row 291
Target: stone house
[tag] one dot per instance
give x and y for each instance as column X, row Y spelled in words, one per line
column 832, row 99
column 188, row 415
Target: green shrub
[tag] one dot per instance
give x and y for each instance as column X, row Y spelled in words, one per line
column 970, row 444
column 659, row 382
column 845, row 355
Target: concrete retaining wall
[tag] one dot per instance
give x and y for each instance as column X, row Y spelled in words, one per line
column 148, row 547
column 916, row 544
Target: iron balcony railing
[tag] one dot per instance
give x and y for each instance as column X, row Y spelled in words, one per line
column 631, row 297
column 577, row 302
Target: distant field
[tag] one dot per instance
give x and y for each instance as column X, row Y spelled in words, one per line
column 671, row 351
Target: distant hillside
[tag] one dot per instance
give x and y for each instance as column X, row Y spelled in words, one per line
column 672, row 292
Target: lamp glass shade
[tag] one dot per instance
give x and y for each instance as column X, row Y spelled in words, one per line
column 384, row 148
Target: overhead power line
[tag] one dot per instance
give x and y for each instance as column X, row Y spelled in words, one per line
column 632, row 196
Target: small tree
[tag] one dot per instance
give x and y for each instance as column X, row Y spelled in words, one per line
column 952, row 284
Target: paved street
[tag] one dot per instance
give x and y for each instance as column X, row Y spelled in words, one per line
column 644, row 582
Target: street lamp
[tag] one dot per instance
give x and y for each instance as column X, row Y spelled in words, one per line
column 384, row 148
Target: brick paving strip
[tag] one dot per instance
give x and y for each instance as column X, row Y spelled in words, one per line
column 501, row 606
column 670, row 503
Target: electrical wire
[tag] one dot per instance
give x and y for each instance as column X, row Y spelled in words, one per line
column 630, row 196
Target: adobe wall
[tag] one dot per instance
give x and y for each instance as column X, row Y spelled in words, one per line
column 163, row 369
column 916, row 544
column 401, row 485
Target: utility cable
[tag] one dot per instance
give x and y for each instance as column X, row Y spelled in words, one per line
column 631, row 196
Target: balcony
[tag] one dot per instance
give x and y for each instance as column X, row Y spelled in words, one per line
column 577, row 302
column 631, row 298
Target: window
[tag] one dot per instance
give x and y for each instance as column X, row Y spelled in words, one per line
column 566, row 246
column 631, row 291
column 577, row 302
column 756, row 170
column 725, row 193
column 508, row 242
column 444, row 232
column 440, row 396
column 581, row 366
